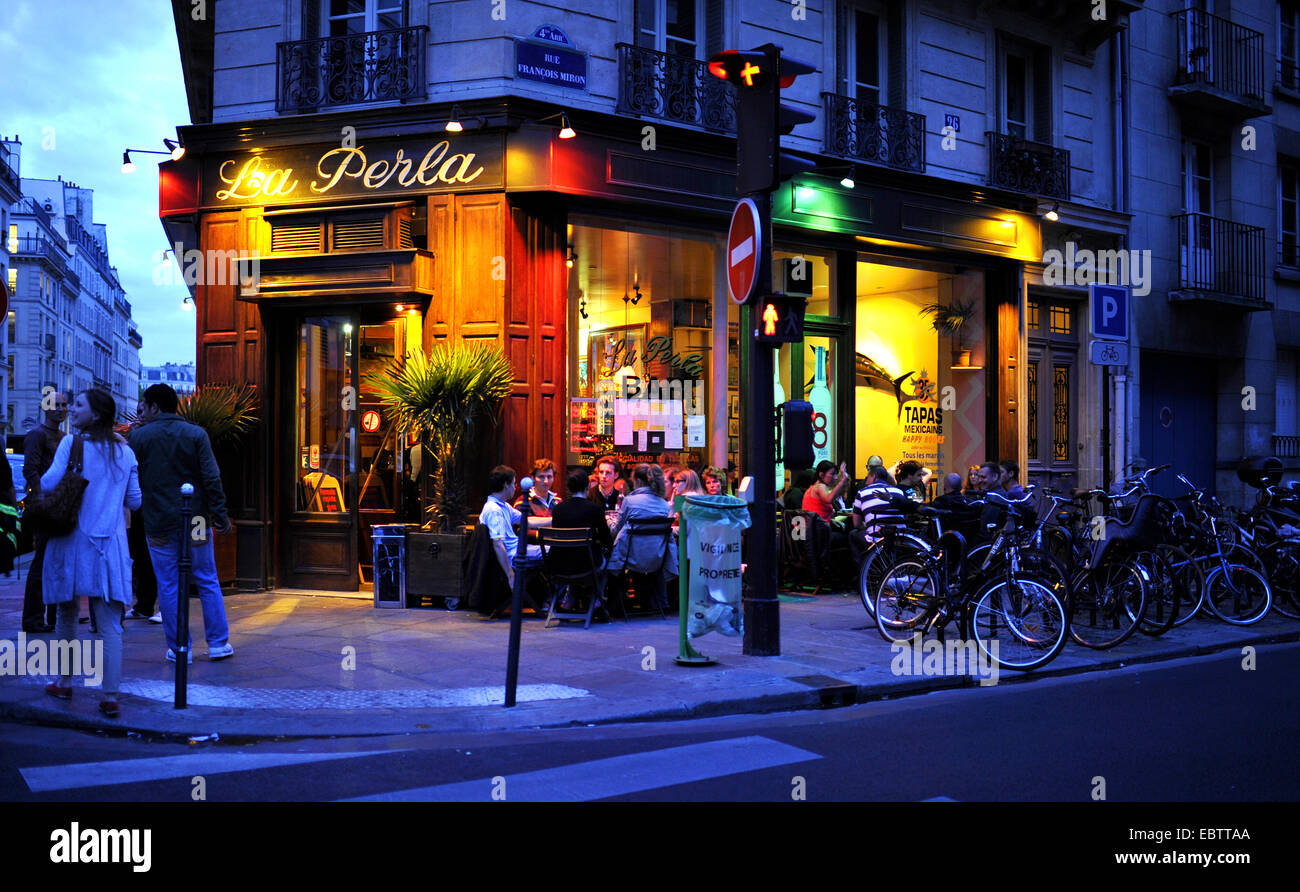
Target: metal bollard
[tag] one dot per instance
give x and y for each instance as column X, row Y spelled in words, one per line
column 184, row 566
column 517, row 594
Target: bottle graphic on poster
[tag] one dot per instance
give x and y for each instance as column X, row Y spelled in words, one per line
column 779, row 398
column 820, row 397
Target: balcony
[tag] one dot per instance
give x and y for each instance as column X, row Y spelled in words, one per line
column 376, row 66
column 31, row 246
column 673, row 88
column 1220, row 68
column 9, row 176
column 1220, row 262
column 876, row 134
column 1034, row 168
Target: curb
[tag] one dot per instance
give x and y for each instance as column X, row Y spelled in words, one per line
column 197, row 722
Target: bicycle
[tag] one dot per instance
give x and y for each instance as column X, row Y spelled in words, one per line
column 1015, row 619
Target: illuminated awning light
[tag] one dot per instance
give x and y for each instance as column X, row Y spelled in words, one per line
column 453, row 124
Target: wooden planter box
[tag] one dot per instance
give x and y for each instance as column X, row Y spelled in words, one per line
column 433, row 566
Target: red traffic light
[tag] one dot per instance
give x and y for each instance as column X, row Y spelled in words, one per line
column 748, row 68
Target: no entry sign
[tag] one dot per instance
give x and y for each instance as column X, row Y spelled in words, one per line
column 744, row 247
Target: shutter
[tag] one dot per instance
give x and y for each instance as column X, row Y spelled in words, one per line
column 404, row 239
column 843, row 24
column 359, row 235
column 896, row 55
column 1043, row 95
column 714, row 27
column 295, row 236
column 1285, row 422
column 311, row 19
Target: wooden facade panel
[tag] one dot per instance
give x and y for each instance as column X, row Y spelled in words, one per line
column 439, row 319
column 480, row 256
column 1010, row 361
column 216, row 297
column 218, row 363
column 517, row 352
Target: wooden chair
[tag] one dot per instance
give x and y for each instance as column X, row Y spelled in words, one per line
column 569, row 558
column 658, row 530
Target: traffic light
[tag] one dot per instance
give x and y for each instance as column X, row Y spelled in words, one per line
column 760, row 75
column 779, row 319
column 797, row 426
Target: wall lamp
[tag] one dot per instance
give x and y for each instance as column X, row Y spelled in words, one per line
column 456, row 125
column 566, row 129
column 174, row 149
column 571, row 259
column 1052, row 214
column 187, row 303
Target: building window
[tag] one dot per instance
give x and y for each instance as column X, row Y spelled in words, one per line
column 360, row 16
column 1288, row 206
column 641, row 310
column 1060, row 320
column 1288, row 44
column 1032, row 405
column 866, row 77
column 13, row 238
column 671, row 26
column 1060, row 413
column 1025, row 93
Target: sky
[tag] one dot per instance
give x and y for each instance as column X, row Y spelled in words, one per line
column 83, row 80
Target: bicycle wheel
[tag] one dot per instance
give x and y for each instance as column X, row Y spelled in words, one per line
column 908, row 595
column 1237, row 595
column 1283, row 562
column 1189, row 580
column 1047, row 568
column 879, row 558
column 1106, row 604
column 1019, row 623
column 1163, row 596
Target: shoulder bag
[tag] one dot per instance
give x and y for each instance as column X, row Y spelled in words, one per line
column 56, row 512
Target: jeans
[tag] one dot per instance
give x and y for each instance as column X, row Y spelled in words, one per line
column 108, row 617
column 34, row 608
column 165, row 552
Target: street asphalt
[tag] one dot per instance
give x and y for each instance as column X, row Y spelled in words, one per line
column 313, row 665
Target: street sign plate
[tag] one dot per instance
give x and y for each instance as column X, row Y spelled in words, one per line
column 1108, row 352
column 1108, row 305
column 744, row 248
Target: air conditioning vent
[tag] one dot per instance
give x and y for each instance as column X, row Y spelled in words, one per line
column 404, row 234
column 359, row 235
column 296, row 236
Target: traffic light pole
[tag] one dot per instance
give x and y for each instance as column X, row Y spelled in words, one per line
column 762, row 608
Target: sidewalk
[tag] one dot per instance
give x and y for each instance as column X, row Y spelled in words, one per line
column 434, row 670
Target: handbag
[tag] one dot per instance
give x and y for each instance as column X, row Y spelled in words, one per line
column 56, row 512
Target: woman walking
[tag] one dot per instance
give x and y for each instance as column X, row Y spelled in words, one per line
column 93, row 560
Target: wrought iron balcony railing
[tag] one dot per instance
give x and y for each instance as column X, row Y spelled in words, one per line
column 673, row 88
column 1285, row 446
column 32, row 246
column 1218, row 53
column 1023, row 166
column 876, row 134
column 8, row 174
column 1221, row 256
column 375, row 66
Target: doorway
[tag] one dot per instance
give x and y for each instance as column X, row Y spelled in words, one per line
column 344, row 466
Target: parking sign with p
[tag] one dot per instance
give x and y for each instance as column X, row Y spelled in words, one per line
column 1109, row 311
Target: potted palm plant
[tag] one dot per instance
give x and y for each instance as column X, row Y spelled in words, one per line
column 950, row 319
column 442, row 395
column 228, row 413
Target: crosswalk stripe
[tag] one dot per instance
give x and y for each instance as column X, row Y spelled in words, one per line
column 128, row 771
column 615, row 776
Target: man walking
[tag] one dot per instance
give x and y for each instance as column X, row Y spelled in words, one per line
column 142, row 577
column 171, row 452
column 39, row 447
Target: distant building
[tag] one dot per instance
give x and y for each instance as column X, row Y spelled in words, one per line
column 69, row 324
column 10, row 192
column 180, row 376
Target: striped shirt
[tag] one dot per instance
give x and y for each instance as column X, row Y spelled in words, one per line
column 872, row 505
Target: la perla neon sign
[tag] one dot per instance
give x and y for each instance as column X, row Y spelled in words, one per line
column 255, row 179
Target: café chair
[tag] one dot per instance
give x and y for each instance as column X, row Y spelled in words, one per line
column 569, row 557
column 647, row 554
column 805, row 551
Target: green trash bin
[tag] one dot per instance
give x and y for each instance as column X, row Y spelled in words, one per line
column 709, row 569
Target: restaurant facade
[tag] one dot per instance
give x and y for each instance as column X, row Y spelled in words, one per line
column 597, row 264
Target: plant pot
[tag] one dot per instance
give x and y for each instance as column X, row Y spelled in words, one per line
column 960, row 358
column 433, row 566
